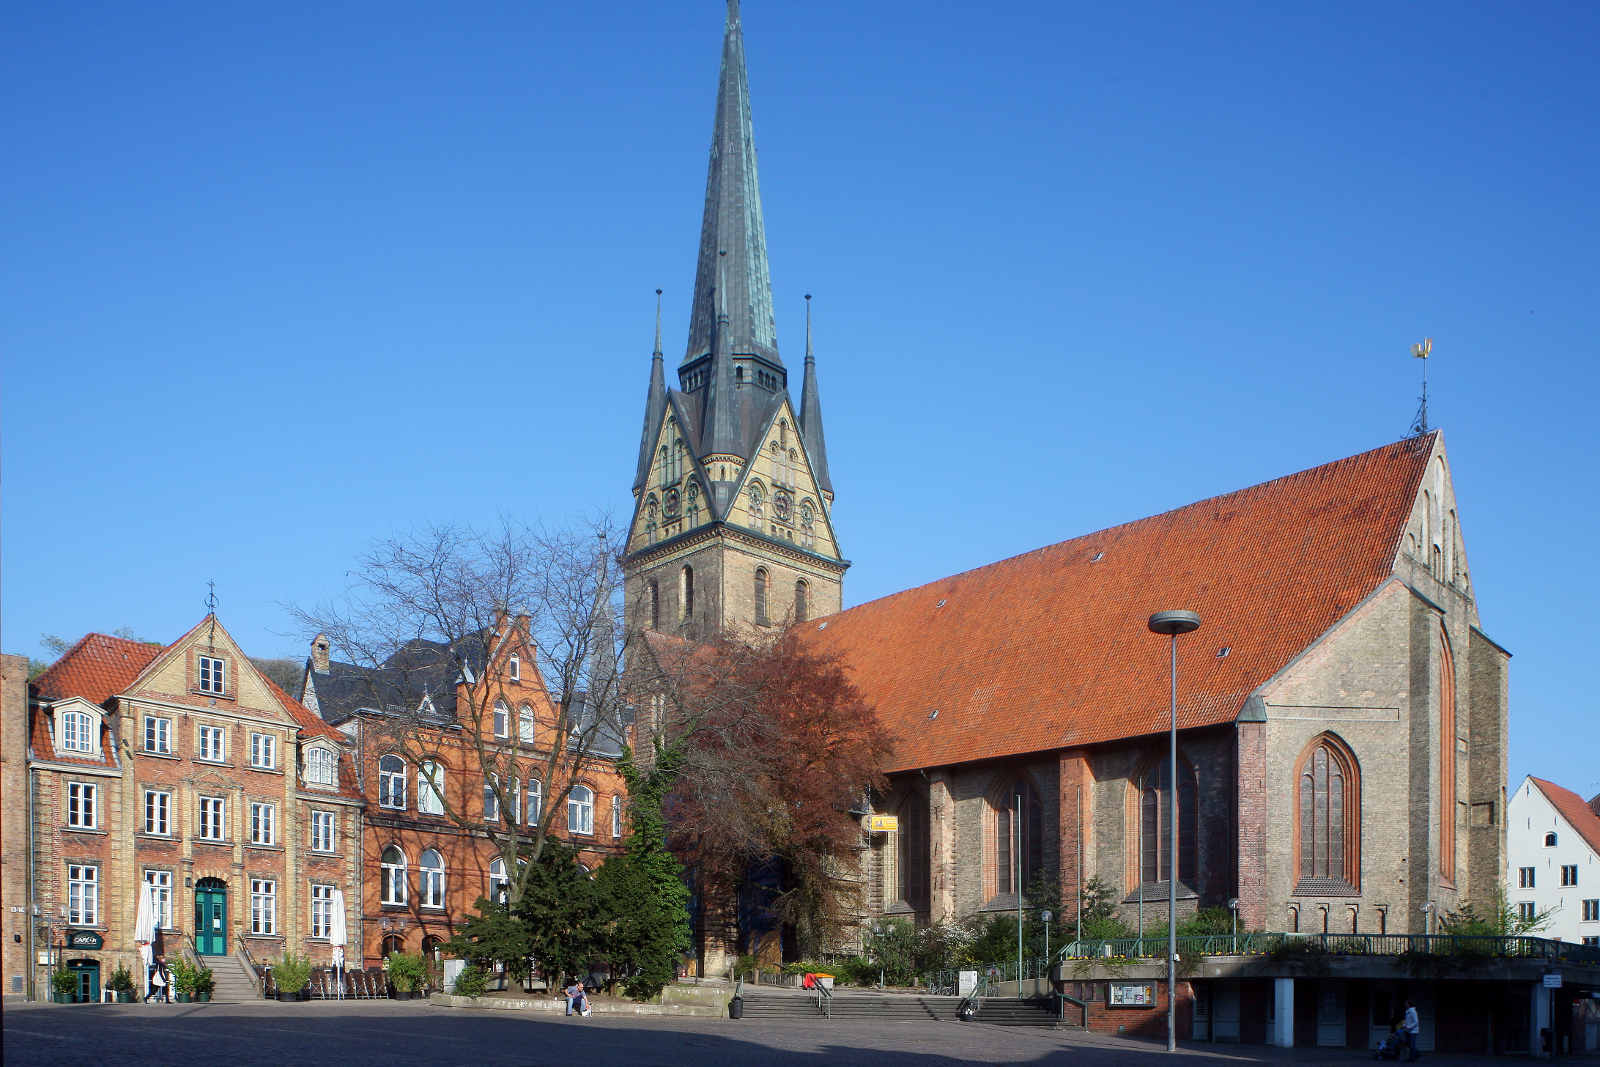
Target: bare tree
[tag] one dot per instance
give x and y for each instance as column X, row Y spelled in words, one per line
column 447, row 632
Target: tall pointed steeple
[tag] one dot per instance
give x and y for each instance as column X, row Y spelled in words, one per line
column 811, row 415
column 732, row 222
column 655, row 404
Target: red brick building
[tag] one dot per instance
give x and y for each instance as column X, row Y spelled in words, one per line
column 426, row 738
column 184, row 768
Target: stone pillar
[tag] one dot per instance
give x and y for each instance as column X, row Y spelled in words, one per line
column 1251, row 739
column 941, row 849
column 1076, row 807
column 1539, row 1018
column 1282, row 1034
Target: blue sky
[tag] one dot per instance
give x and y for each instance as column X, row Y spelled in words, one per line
column 278, row 282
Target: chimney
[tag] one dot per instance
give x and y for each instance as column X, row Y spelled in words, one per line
column 319, row 654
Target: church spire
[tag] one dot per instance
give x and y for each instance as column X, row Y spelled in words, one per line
column 732, row 223
column 655, row 405
column 811, row 415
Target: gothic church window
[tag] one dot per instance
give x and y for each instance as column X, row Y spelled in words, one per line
column 808, row 535
column 1016, row 838
column 1151, row 836
column 800, row 606
column 686, row 593
column 761, row 596
column 1447, row 757
column 655, row 605
column 1327, row 818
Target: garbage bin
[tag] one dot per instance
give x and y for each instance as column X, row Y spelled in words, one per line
column 736, row 1008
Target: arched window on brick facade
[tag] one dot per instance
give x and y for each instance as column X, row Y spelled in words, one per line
column 1327, row 818
column 686, row 594
column 1447, row 758
column 903, row 862
column 801, row 607
column 761, row 596
column 1149, row 826
column 1011, row 844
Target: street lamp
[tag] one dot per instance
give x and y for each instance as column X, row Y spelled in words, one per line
column 1233, row 906
column 1172, row 623
column 1045, row 915
column 1016, row 883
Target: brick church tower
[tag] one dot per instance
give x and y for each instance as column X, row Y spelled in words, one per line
column 732, row 527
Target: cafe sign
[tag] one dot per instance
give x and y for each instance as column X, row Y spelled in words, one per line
column 85, row 939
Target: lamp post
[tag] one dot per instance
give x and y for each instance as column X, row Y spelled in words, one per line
column 1233, row 906
column 877, row 946
column 1172, row 623
column 1427, row 918
column 1045, row 915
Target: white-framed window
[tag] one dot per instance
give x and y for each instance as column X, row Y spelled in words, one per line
column 580, row 810
column 491, row 799
column 1569, row 874
column 527, row 729
column 430, row 878
column 213, row 675
column 430, row 788
column 82, row 805
column 77, row 732
column 213, row 818
column 263, row 824
column 321, row 910
column 391, row 782
column 323, row 832
column 514, row 794
column 535, row 801
column 499, row 884
column 263, row 906
column 157, row 812
column 1550, row 839
column 1526, row 911
column 263, row 751
column 393, row 864
column 514, row 667
column 213, row 744
column 83, row 894
column 1525, row 878
column 502, row 719
column 616, row 816
column 160, row 883
column 321, row 766
column 158, row 734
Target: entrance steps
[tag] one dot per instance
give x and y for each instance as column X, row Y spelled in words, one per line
column 896, row 1007
column 233, row 985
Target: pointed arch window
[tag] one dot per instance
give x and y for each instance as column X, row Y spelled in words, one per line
column 808, row 534
column 686, row 593
column 1149, row 840
column 527, row 726
column 1447, row 758
column 655, row 605
column 802, row 606
column 761, row 596
column 1327, row 818
column 692, row 512
column 1015, row 849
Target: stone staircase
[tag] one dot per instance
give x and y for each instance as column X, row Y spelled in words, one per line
column 765, row 1003
column 233, row 982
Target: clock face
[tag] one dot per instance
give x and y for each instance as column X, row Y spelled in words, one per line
column 780, row 507
column 672, row 502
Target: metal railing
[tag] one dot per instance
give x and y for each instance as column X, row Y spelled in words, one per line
column 249, row 962
column 1257, row 944
column 1062, row 1000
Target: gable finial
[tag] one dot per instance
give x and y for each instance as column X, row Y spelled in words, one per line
column 211, row 612
column 1419, row 425
column 809, row 355
column 657, row 350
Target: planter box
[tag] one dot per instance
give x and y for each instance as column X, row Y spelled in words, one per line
column 185, row 998
column 124, row 998
column 203, row 998
column 63, row 998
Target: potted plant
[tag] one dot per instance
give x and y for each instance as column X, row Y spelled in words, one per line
column 64, row 987
column 121, row 983
column 407, row 973
column 292, row 976
column 205, row 981
column 183, row 979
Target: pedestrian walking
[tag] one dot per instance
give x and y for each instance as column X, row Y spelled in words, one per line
column 1409, row 1028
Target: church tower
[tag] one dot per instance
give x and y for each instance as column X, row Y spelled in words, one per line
column 732, row 527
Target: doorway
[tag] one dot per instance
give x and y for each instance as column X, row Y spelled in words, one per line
column 87, row 972
column 211, row 917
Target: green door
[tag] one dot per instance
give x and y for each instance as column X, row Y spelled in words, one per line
column 87, row 972
column 211, row 917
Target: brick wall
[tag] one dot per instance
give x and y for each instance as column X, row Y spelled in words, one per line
column 14, row 963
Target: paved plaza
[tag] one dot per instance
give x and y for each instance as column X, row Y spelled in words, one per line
column 382, row 1032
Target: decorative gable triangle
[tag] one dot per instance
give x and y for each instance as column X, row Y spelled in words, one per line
column 785, row 489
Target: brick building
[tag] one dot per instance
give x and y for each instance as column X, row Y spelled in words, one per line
column 459, row 767
column 184, row 768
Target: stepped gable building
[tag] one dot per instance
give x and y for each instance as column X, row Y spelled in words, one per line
column 184, row 768
column 731, row 525
column 1553, row 860
column 1342, row 714
column 452, row 746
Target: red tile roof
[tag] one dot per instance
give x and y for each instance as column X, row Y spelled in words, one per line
column 1050, row 649
column 1578, row 813
column 97, row 668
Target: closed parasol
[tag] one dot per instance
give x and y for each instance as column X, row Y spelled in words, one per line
column 337, row 935
column 144, row 930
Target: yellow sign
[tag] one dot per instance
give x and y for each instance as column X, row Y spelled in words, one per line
column 884, row 824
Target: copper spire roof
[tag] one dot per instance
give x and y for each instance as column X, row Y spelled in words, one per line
column 1049, row 649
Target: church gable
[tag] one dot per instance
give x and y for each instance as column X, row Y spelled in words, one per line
column 1432, row 542
column 778, row 496
column 673, row 498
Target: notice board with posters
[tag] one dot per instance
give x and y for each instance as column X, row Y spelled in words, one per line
column 1131, row 995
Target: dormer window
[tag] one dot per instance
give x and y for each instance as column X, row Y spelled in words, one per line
column 77, row 732
column 213, row 675
column 321, row 766
column 515, row 668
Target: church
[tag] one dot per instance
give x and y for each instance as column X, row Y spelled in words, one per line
column 1341, row 710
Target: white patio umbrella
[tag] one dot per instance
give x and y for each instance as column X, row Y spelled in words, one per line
column 337, row 934
column 144, row 930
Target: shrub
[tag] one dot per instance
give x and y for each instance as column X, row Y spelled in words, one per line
column 205, row 980
column 64, row 982
column 121, row 980
column 407, row 971
column 292, row 973
column 183, row 976
column 746, row 965
column 473, row 981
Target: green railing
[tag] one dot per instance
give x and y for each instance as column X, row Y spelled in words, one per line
column 1259, row 944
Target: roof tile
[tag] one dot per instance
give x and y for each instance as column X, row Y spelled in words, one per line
column 1579, row 814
